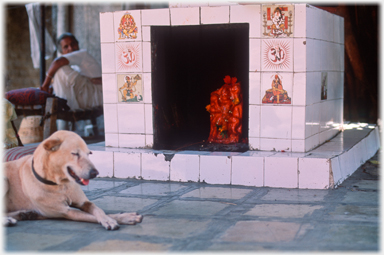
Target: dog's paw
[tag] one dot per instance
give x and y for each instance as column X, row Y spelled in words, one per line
column 110, row 224
column 29, row 215
column 9, row 221
column 128, row 218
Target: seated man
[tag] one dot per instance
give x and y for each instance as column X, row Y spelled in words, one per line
column 77, row 75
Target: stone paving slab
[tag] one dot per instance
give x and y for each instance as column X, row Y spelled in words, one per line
column 182, row 217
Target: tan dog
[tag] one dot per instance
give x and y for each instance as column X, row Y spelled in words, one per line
column 46, row 184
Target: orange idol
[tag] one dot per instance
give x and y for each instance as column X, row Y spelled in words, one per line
column 226, row 112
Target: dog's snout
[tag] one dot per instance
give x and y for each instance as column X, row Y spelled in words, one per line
column 93, row 173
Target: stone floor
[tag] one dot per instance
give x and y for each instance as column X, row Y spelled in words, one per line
column 182, row 217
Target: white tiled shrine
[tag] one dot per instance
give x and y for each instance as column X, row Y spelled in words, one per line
column 308, row 59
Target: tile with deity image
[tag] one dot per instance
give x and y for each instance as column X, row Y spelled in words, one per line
column 324, row 85
column 127, row 25
column 276, row 88
column 277, row 21
column 128, row 57
column 130, row 88
column 277, row 55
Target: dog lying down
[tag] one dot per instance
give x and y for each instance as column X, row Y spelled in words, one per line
column 46, row 185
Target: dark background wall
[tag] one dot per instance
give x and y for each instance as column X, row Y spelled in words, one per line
column 361, row 83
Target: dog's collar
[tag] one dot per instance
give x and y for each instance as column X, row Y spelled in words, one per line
column 48, row 182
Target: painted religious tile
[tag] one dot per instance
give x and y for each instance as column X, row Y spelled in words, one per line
column 324, row 85
column 130, row 88
column 277, row 21
column 277, row 55
column 277, row 88
column 127, row 26
column 128, row 57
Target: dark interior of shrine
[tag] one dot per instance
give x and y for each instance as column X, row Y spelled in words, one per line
column 188, row 63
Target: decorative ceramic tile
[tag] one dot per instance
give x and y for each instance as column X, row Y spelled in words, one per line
column 280, row 172
column 127, row 25
column 155, row 17
column 127, row 165
column 214, row 15
column 131, row 118
column 106, row 27
column 277, row 55
column 185, row 16
column 185, row 167
column 130, row 88
column 131, row 140
column 276, row 88
column 128, row 57
column 277, row 20
column 109, row 88
column 248, row 14
column 108, row 57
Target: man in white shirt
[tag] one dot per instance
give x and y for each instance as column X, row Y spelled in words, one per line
column 77, row 75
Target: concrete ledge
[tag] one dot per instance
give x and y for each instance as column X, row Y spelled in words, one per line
column 324, row 167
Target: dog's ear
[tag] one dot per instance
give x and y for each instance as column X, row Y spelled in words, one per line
column 52, row 144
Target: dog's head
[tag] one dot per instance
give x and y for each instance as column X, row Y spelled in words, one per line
column 63, row 157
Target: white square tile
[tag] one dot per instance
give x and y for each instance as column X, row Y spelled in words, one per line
column 254, row 88
column 298, row 145
column 154, row 167
column 214, row 15
column 336, row 172
column 298, row 122
column 147, row 57
column 147, row 88
column 254, row 55
column 328, row 30
column 185, row 167
column 248, row 14
column 277, row 55
column 111, row 140
column 300, row 54
column 313, row 90
column 127, row 25
column 281, row 172
column 215, row 169
column 314, row 173
column 146, row 34
column 312, row 22
column 129, row 57
column 185, row 16
column 103, row 161
column 148, row 119
column 127, row 165
column 155, row 17
column 299, row 89
column 300, row 20
column 131, row 140
column 106, row 27
column 248, row 171
column 131, row 118
column 268, row 144
column 254, row 143
column 276, row 122
column 149, row 141
column 109, row 88
column 108, row 57
column 254, row 121
column 316, row 119
column 311, row 142
column 110, row 118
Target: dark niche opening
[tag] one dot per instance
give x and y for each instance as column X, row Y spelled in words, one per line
column 188, row 63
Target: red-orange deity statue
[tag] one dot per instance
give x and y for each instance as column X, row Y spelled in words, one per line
column 226, row 112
